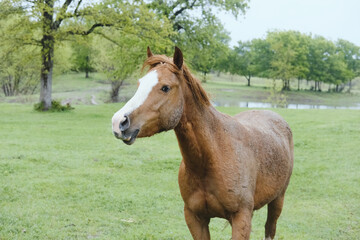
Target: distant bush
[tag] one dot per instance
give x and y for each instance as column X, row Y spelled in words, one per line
column 55, row 107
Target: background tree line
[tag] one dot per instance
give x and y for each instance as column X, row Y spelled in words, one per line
column 39, row 38
column 289, row 55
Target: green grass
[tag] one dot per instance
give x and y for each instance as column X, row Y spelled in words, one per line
column 64, row 176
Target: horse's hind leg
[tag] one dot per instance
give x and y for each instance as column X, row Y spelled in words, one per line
column 274, row 211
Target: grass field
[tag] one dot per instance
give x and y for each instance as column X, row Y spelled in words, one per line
column 64, row 176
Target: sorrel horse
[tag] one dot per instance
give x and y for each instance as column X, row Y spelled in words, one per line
column 231, row 165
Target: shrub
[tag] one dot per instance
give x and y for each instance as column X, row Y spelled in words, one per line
column 55, row 107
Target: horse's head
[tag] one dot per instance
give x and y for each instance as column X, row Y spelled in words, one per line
column 158, row 102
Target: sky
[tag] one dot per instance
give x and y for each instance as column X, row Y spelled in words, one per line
column 332, row 19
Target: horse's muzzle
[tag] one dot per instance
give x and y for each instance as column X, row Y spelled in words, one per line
column 127, row 137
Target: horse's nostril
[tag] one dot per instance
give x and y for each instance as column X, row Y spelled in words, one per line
column 124, row 124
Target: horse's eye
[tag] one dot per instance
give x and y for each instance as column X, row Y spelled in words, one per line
column 165, row 89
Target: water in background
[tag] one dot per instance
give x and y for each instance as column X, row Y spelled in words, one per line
column 290, row 106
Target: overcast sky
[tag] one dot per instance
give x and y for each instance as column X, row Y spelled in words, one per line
column 332, row 19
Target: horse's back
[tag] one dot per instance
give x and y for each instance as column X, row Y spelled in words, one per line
column 265, row 121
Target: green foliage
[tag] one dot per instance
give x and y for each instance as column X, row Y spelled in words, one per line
column 205, row 49
column 201, row 35
column 62, row 58
column 119, row 54
column 243, row 60
column 351, row 55
column 19, row 62
column 181, row 12
column 263, row 56
column 56, row 106
column 52, row 22
column 84, row 55
column 291, row 55
column 289, row 58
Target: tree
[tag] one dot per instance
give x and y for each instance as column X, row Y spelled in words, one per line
column 245, row 59
column 19, row 63
column 289, row 56
column 119, row 55
column 201, row 34
column 207, row 46
column 338, row 72
column 263, row 56
column 351, row 56
column 55, row 20
column 320, row 49
column 83, row 55
column 183, row 14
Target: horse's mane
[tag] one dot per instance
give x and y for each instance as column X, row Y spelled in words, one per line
column 194, row 85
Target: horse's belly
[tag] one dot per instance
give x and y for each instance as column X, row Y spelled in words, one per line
column 270, row 186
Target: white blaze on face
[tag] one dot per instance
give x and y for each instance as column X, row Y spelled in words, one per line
column 146, row 84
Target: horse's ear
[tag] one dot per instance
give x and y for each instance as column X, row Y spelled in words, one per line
column 149, row 53
column 178, row 58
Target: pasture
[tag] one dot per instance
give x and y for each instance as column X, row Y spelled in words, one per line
column 64, row 176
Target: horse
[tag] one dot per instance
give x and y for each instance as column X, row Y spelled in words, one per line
column 231, row 166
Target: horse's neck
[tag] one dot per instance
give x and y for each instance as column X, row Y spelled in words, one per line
column 195, row 136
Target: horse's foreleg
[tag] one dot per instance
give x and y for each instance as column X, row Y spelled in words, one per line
column 241, row 224
column 199, row 227
column 274, row 211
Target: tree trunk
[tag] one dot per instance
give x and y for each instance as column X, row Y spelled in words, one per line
column 286, row 85
column 6, row 86
column 115, row 88
column 16, row 86
column 87, row 67
column 299, row 84
column 248, row 80
column 350, row 85
column 337, row 88
column 204, row 79
column 47, row 53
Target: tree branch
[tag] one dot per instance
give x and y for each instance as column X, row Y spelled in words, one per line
column 77, row 7
column 178, row 12
column 93, row 27
column 61, row 14
column 109, row 39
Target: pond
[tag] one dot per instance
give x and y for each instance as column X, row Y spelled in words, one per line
column 290, row 105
